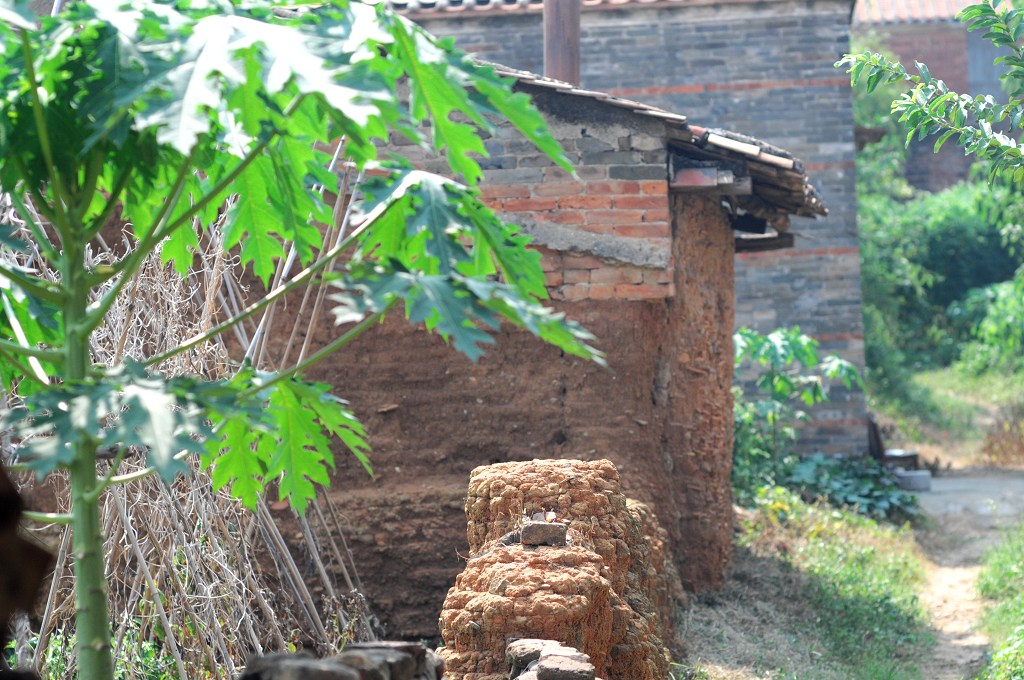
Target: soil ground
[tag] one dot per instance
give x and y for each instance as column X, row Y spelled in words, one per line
column 755, row 628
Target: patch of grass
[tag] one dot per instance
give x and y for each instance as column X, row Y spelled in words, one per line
column 960, row 411
column 862, row 579
column 1002, row 582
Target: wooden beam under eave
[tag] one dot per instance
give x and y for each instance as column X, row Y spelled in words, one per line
column 756, row 244
column 705, row 179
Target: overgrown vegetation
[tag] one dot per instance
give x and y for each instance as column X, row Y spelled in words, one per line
column 1002, row 582
column 791, row 375
column 942, row 273
column 829, row 595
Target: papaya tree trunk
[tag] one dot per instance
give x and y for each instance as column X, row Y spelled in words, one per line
column 92, row 621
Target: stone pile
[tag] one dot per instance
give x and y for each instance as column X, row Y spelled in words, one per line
column 359, row 661
column 604, row 588
column 532, row 659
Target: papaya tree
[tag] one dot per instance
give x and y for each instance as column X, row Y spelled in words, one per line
column 165, row 117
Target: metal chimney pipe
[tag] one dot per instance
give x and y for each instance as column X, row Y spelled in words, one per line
column 562, row 40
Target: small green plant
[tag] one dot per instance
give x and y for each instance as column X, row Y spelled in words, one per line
column 789, row 372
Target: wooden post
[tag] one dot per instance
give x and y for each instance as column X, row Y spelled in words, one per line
column 562, row 40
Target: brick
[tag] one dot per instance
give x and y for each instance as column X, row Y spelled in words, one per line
column 551, row 262
column 643, row 291
column 504, row 191
column 589, row 172
column 535, row 161
column 617, row 274
column 643, row 230
column 614, row 216
column 565, row 217
column 644, row 202
column 556, row 173
column 613, row 187
column 654, row 187
column 558, row 189
column 553, row 278
column 598, row 228
column 576, row 276
column 613, row 158
column 602, row 291
column 529, row 204
column 658, row 275
column 577, row 292
column 571, row 261
column 634, row 171
column 660, row 215
column 586, row 202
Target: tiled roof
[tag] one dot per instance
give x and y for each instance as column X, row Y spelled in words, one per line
column 492, row 6
column 868, row 12
column 780, row 183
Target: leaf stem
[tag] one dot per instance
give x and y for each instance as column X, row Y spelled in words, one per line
column 53, row 355
column 46, row 517
column 296, row 281
column 44, row 137
column 325, row 351
column 25, row 370
column 46, row 248
column 30, row 286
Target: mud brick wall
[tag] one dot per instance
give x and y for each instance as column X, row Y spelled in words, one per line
column 760, row 68
column 662, row 414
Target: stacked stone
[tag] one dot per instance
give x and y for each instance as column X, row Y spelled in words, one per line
column 359, row 661
column 533, row 659
column 595, row 594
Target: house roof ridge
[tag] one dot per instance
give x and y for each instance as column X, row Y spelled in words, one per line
column 779, row 172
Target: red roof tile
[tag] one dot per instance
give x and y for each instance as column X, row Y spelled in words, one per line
column 868, row 12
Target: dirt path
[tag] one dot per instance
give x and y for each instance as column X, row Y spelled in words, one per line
column 969, row 511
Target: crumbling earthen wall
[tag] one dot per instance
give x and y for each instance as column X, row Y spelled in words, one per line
column 661, row 413
column 597, row 593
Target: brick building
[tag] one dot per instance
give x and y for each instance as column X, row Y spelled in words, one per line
column 761, row 66
column 639, row 246
column 929, row 32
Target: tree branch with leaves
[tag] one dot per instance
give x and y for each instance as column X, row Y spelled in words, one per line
column 176, row 116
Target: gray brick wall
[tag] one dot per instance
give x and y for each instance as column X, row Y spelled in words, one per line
column 763, row 69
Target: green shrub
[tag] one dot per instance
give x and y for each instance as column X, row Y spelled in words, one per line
column 998, row 334
column 854, row 482
column 923, row 256
column 789, row 372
